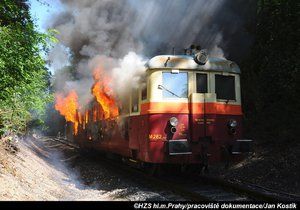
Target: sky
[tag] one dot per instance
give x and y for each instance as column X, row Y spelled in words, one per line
column 42, row 12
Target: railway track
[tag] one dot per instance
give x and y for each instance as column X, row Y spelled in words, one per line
column 193, row 188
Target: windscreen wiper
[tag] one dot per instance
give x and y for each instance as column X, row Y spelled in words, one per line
column 162, row 87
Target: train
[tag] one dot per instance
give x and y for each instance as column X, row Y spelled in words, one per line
column 189, row 112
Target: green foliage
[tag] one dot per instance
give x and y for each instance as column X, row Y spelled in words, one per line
column 24, row 79
column 270, row 79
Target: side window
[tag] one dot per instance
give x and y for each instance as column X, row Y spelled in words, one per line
column 201, row 82
column 124, row 106
column 225, row 87
column 135, row 100
column 144, row 92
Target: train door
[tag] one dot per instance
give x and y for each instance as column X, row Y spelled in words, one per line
column 198, row 115
column 198, row 100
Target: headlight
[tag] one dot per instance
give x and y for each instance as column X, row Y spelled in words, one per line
column 174, row 121
column 232, row 123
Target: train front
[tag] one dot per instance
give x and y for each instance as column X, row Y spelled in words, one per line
column 193, row 111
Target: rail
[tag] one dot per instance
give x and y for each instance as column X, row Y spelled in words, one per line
column 206, row 188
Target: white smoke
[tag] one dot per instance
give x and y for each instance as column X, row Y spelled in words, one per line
column 130, row 71
column 216, row 50
column 59, row 57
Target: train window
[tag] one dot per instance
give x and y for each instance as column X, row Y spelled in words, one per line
column 124, row 106
column 175, row 85
column 225, row 87
column 135, row 100
column 201, row 82
column 144, row 92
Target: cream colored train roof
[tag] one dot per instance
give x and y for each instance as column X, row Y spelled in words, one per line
column 187, row 62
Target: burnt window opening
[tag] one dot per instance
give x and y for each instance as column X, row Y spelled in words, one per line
column 225, row 87
column 201, row 82
column 135, row 100
column 144, row 92
column 124, row 106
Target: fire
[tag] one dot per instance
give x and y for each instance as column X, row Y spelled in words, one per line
column 68, row 106
column 106, row 107
column 104, row 94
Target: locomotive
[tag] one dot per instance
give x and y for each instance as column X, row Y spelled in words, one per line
column 188, row 113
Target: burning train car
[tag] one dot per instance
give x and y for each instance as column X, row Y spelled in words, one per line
column 188, row 112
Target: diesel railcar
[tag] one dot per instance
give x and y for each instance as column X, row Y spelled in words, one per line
column 188, row 112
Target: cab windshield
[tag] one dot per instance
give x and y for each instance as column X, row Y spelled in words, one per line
column 175, row 85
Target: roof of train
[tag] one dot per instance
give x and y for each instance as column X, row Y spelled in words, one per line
column 187, row 62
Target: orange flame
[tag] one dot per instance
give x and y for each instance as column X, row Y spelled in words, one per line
column 104, row 94
column 68, row 106
column 106, row 108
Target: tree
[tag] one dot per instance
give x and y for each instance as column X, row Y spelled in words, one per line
column 24, row 78
column 271, row 74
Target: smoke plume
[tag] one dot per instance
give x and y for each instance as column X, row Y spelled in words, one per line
column 112, row 34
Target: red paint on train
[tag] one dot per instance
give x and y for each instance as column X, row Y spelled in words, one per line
column 145, row 137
